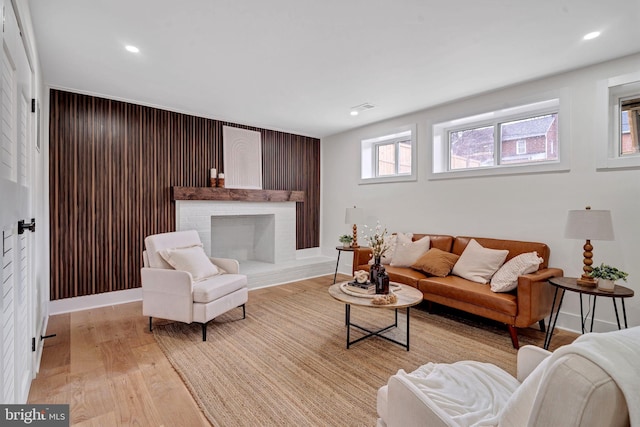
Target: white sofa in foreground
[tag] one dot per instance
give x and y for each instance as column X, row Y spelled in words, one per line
column 595, row 381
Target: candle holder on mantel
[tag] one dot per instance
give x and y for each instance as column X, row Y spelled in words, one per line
column 221, row 180
column 213, row 178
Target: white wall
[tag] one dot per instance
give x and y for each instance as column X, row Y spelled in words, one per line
column 521, row 207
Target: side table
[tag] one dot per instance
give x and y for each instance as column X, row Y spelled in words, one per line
column 340, row 249
column 563, row 284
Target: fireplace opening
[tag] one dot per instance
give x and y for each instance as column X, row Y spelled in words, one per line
column 243, row 237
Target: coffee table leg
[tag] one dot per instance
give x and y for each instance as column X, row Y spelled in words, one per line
column 408, row 317
column 348, row 322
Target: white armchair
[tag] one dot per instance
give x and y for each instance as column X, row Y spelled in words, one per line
column 195, row 288
column 593, row 382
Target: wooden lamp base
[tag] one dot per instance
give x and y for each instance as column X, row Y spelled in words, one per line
column 354, row 243
column 586, row 279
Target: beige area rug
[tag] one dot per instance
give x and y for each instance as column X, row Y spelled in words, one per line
column 287, row 364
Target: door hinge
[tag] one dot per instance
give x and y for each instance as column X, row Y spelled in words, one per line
column 31, row 226
column 33, row 344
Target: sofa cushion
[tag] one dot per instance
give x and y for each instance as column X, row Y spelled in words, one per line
column 457, row 288
column 478, row 264
column 405, row 275
column 191, row 259
column 506, row 278
column 436, row 262
column 216, row 287
column 408, row 252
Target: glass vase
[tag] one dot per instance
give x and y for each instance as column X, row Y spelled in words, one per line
column 375, row 268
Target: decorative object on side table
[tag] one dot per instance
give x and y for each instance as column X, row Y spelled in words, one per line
column 607, row 276
column 346, row 240
column 590, row 225
column 354, row 216
column 378, row 246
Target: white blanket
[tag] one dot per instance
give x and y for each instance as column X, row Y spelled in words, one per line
column 464, row 393
column 618, row 354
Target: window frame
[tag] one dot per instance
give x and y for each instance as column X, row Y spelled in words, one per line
column 610, row 94
column 441, row 151
column 369, row 172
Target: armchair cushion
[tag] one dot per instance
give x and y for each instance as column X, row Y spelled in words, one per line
column 176, row 239
column 191, row 259
column 216, row 287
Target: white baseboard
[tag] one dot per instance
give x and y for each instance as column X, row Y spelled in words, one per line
column 69, row 305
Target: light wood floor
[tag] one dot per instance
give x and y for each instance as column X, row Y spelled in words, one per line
column 106, row 364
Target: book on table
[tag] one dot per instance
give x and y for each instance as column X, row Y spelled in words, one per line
column 362, row 288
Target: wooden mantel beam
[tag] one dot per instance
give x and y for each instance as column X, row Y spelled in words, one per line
column 235, row 194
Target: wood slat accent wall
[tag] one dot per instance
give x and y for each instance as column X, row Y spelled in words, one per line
column 111, row 168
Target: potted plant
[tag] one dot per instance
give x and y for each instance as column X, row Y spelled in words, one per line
column 607, row 276
column 346, row 240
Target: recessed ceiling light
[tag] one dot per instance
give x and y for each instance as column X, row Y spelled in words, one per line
column 132, row 49
column 592, row 35
column 354, row 113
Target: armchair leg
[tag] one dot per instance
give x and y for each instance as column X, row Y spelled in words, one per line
column 514, row 336
column 150, row 324
column 204, row 332
column 244, row 313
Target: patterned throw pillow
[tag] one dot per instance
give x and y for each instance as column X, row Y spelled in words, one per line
column 506, row 279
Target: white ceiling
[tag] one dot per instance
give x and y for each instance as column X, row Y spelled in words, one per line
column 300, row 65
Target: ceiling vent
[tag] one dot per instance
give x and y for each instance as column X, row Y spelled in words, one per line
column 360, row 108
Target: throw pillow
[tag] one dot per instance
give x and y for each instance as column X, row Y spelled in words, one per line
column 477, row 263
column 388, row 255
column 506, row 279
column 408, row 252
column 436, row 262
column 192, row 259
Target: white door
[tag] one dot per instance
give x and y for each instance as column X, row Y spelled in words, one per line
column 16, row 158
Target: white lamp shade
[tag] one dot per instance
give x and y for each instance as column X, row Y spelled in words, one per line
column 589, row 224
column 354, row 216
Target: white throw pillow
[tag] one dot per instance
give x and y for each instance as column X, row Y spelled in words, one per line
column 192, row 259
column 477, row 263
column 388, row 255
column 408, row 252
column 506, row 278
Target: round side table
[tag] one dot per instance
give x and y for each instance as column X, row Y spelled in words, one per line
column 563, row 284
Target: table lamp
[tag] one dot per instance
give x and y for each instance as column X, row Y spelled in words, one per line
column 354, row 216
column 590, row 225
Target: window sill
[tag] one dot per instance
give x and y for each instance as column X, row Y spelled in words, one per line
column 556, row 167
column 387, row 179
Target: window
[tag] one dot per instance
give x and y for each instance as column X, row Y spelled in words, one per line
column 619, row 126
column 390, row 157
column 512, row 140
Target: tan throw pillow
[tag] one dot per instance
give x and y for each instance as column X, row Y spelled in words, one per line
column 478, row 264
column 506, row 279
column 408, row 252
column 192, row 259
column 436, row 262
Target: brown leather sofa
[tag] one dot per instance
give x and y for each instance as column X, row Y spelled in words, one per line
column 529, row 303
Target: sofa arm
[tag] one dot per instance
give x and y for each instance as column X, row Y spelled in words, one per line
column 173, row 282
column 529, row 357
column 167, row 294
column 361, row 256
column 535, row 296
column 229, row 265
column 408, row 406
